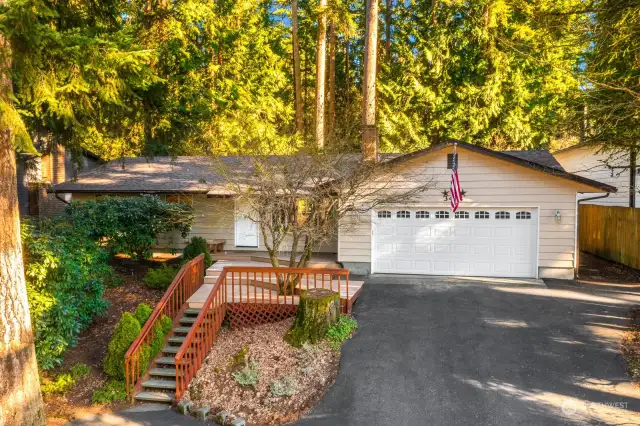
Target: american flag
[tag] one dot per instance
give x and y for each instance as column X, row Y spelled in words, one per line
column 456, row 192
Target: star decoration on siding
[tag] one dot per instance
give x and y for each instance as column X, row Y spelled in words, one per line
column 447, row 197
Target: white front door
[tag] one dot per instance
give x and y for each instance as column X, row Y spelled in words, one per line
column 492, row 242
column 246, row 228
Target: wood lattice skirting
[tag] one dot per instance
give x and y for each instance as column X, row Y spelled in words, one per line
column 241, row 315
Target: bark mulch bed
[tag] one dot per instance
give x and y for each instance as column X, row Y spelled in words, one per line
column 93, row 342
column 312, row 368
column 631, row 345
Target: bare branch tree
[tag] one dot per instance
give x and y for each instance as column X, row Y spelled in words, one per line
column 301, row 201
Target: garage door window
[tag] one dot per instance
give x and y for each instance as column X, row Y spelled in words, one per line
column 461, row 215
column 384, row 214
column 482, row 215
column 442, row 214
column 422, row 214
column 403, row 214
column 523, row 215
column 502, row 215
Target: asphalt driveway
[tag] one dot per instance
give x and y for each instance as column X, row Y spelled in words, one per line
column 465, row 352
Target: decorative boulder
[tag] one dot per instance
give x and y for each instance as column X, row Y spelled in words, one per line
column 319, row 308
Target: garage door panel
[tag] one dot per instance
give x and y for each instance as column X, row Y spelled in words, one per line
column 482, row 245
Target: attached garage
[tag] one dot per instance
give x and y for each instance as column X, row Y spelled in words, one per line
column 517, row 219
column 496, row 242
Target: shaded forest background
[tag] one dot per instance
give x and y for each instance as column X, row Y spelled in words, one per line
column 160, row 77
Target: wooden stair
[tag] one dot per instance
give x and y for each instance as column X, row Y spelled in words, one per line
column 161, row 385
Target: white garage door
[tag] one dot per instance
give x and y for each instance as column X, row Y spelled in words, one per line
column 492, row 242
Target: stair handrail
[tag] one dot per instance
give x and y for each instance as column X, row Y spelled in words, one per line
column 196, row 349
column 186, row 282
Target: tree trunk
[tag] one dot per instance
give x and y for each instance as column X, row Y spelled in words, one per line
column 321, row 60
column 297, row 79
column 387, row 28
column 331, row 119
column 346, row 68
column 20, row 400
column 369, row 131
column 319, row 308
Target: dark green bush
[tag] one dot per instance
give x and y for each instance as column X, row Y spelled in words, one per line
column 65, row 272
column 131, row 225
column 125, row 333
column 196, row 247
column 161, row 277
column 127, row 330
column 142, row 314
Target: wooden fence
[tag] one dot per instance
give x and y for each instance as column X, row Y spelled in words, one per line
column 611, row 232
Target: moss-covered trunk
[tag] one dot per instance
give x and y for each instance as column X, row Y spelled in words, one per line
column 319, row 308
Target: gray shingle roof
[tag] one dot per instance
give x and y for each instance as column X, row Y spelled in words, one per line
column 540, row 156
column 202, row 174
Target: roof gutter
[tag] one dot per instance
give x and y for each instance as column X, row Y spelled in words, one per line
column 576, row 267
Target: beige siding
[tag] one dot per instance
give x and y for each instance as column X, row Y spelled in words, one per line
column 588, row 162
column 214, row 220
column 488, row 182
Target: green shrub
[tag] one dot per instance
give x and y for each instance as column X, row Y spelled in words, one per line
column 195, row 248
column 341, row 331
column 65, row 272
column 142, row 314
column 249, row 375
column 58, row 386
column 161, row 277
column 80, row 371
column 125, row 333
column 283, row 387
column 131, row 225
column 112, row 391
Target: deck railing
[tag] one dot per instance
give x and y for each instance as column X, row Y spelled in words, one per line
column 200, row 338
column 250, row 295
column 187, row 281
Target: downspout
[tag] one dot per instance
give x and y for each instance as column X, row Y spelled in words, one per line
column 576, row 267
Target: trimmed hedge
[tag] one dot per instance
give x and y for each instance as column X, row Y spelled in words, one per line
column 127, row 330
column 160, row 278
column 195, row 248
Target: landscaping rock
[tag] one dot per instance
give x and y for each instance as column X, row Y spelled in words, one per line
column 238, row 421
column 184, row 407
column 202, row 413
column 223, row 417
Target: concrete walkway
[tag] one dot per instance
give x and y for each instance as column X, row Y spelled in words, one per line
column 443, row 351
column 141, row 415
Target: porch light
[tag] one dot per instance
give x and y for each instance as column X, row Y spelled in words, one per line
column 558, row 216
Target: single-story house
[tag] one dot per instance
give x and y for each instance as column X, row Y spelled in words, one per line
column 517, row 219
column 591, row 162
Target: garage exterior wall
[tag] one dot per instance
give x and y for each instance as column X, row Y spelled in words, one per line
column 214, row 220
column 488, row 182
column 587, row 162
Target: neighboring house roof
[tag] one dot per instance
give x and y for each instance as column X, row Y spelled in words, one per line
column 539, row 156
column 197, row 174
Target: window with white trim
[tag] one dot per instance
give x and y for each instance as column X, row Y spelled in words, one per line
column 422, row 214
column 461, row 215
column 523, row 215
column 442, row 214
column 384, row 214
column 482, row 215
column 503, row 215
column 403, row 214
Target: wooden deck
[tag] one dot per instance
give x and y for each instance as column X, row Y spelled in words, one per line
column 258, row 288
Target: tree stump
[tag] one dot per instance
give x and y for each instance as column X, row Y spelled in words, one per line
column 319, row 308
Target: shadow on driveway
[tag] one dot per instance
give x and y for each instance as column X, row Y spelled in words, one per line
column 433, row 351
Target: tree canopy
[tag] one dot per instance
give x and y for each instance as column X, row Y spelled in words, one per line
column 124, row 78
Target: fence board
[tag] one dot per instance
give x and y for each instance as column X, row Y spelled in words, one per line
column 611, row 232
